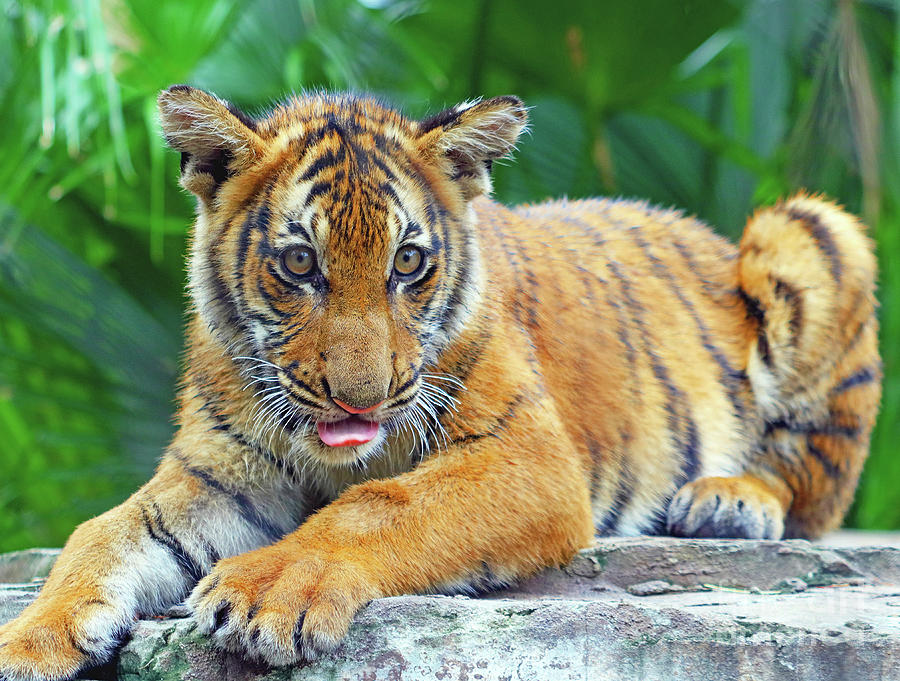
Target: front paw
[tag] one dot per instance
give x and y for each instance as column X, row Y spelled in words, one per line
column 739, row 507
column 59, row 640
column 278, row 605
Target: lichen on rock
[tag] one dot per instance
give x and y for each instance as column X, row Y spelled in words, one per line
column 637, row 608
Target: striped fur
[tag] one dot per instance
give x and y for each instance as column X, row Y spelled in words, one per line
column 551, row 372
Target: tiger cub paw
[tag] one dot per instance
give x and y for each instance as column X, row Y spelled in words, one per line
column 57, row 643
column 279, row 606
column 739, row 507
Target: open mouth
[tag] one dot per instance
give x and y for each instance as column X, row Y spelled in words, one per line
column 347, row 432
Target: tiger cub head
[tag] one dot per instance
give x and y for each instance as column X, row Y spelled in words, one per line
column 334, row 251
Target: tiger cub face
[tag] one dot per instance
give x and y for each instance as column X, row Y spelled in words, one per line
column 333, row 252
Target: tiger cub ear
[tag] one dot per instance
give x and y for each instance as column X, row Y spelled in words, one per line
column 215, row 139
column 467, row 138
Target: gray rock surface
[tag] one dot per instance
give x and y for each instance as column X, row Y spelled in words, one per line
column 644, row 608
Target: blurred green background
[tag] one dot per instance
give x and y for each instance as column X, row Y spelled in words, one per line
column 709, row 105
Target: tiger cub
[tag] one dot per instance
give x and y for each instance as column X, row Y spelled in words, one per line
column 395, row 385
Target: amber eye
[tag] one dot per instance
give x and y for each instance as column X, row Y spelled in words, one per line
column 299, row 260
column 408, row 260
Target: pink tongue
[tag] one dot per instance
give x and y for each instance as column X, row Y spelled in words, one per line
column 351, row 431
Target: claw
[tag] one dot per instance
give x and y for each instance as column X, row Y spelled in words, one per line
column 298, row 633
column 221, row 616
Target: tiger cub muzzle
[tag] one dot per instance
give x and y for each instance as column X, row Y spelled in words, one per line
column 358, row 377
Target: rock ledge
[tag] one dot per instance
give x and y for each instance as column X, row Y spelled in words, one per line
column 642, row 608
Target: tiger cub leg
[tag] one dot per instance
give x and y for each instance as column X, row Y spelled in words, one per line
column 748, row 506
column 802, row 481
column 807, row 277
column 138, row 558
column 820, row 453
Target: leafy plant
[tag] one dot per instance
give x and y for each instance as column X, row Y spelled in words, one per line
column 708, row 105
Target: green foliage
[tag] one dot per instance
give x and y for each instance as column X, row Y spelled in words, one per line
column 709, row 105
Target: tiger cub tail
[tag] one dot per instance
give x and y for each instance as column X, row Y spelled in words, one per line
column 807, row 276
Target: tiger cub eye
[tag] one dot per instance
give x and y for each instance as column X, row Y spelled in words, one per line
column 299, row 260
column 408, row 260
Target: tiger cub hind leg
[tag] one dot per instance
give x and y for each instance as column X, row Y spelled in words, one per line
column 807, row 274
column 740, row 507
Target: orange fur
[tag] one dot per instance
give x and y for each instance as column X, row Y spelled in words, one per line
column 551, row 372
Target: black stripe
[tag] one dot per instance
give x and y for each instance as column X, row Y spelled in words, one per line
column 593, row 232
column 455, row 281
column 622, row 325
column 221, row 295
column 256, row 220
column 719, row 294
column 211, row 552
column 272, row 301
column 857, row 336
column 465, row 172
column 241, row 116
column 385, row 189
column 296, row 228
column 225, row 302
column 499, row 424
column 861, row 377
column 485, row 581
column 681, row 423
column 248, row 511
column 532, row 284
column 823, row 238
column 730, row 378
column 404, row 400
column 753, row 307
column 190, row 567
column 317, row 189
column 829, row 427
column 597, row 457
column 831, row 470
column 755, row 312
column 789, row 453
column 426, row 277
column 326, row 160
column 658, row 520
column 262, row 319
column 302, row 400
column 624, row 492
column 211, row 407
column 623, row 333
column 791, row 295
column 275, row 342
column 292, row 286
column 383, row 144
column 383, row 167
column 514, row 266
column 360, row 156
column 302, row 385
column 407, row 384
column 411, row 229
column 440, row 120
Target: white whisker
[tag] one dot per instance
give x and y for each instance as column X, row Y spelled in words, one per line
column 447, row 378
column 258, row 361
